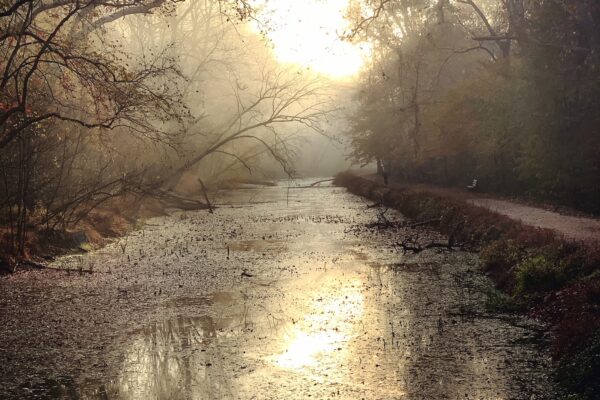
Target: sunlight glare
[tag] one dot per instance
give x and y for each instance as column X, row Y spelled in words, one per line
column 326, row 331
column 307, row 33
column 304, row 349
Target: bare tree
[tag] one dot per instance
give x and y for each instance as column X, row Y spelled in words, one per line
column 282, row 99
column 243, row 105
column 48, row 73
column 63, row 87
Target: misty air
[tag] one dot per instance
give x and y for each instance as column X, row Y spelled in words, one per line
column 300, row 199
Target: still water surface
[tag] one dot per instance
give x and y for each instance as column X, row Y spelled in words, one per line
column 280, row 294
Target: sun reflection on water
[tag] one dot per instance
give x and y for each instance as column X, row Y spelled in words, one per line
column 322, row 336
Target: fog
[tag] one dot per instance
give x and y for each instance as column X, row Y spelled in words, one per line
column 232, row 84
column 162, row 98
column 475, row 119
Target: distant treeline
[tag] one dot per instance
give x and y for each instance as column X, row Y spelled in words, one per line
column 506, row 92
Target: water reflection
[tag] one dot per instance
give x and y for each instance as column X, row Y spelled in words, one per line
column 321, row 316
column 324, row 333
column 168, row 360
column 175, row 358
column 351, row 331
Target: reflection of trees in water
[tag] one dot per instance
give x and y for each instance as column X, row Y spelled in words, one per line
column 448, row 347
column 171, row 359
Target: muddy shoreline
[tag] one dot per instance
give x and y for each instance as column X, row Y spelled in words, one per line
column 278, row 294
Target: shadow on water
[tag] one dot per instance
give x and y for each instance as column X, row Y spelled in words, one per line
column 59, row 388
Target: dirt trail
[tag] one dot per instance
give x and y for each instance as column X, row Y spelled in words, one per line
column 571, row 227
column 280, row 294
column 574, row 228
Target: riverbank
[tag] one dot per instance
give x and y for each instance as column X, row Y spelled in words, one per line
column 536, row 271
column 92, row 230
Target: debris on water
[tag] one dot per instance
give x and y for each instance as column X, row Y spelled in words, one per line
column 331, row 311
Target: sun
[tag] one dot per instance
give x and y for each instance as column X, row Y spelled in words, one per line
column 307, row 33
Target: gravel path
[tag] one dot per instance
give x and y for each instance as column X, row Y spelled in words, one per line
column 573, row 228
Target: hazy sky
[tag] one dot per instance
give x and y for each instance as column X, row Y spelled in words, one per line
column 308, row 33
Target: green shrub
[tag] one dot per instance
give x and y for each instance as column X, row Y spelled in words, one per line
column 539, row 274
column 501, row 253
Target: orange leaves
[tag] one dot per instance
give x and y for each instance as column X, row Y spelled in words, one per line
column 8, row 106
column 14, row 105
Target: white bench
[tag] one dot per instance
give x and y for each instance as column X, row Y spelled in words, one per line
column 473, row 186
